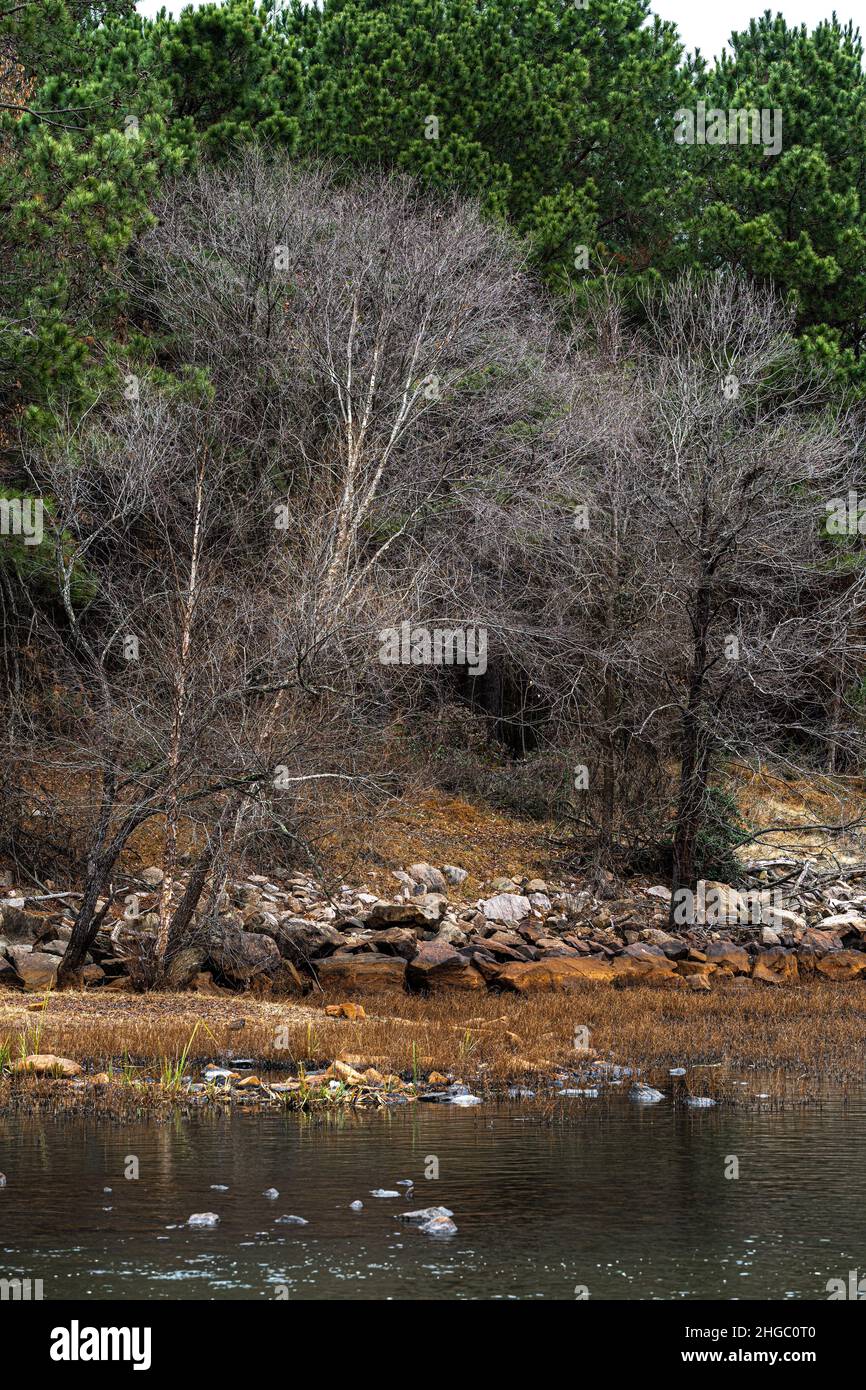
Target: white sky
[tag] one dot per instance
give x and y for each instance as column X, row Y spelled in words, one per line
column 701, row 23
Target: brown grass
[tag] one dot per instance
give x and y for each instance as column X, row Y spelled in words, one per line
column 811, row 1031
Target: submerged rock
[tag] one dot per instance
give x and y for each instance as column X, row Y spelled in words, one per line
column 383, row 1192
column 271, row 1193
column 439, row 1226
column 203, row 1218
column 292, row 1221
column 356, row 1206
column 645, row 1094
column 424, row 1214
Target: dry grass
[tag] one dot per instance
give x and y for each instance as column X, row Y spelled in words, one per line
column 812, row 1031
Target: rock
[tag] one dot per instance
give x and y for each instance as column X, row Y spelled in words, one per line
column 780, row 919
column 417, row 913
column 843, row 923
column 184, row 965
column 370, row 974
column 432, row 879
column 396, row 941
column 820, row 942
column 47, row 1064
column 353, row 1012
column 300, row 941
column 775, row 966
column 454, row 875
column 92, row 974
column 642, row 965
column 383, row 1192
column 698, row 983
column 770, row 937
column 18, row 924
column 466, row 1101
column 438, row 1226
column 451, row 934
column 646, row 1095
column 36, row 971
column 438, row 966
column 356, row 1206
column 564, row 973
column 535, row 885
column 718, row 904
column 700, row 1102
column 424, row 1214
column 736, row 958
column 241, row 955
column 841, row 965
column 203, row 1218
column 152, row 876
column 510, row 908
column 202, row 983
column 271, row 1193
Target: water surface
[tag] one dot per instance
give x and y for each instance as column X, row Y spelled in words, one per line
column 625, row 1201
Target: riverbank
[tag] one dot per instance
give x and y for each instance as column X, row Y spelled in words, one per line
column 146, row 1053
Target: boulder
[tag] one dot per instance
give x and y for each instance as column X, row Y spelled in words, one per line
column 36, row 970
column 562, row 973
column 438, row 966
column 844, row 923
column 301, row 941
column 508, row 908
column 642, row 965
column 396, row 941
column 419, row 912
column 370, row 974
column 454, row 875
column 725, row 953
column 820, row 942
column 46, row 1064
column 240, row 955
column 841, row 965
column 183, row 966
column 20, row 925
column 775, row 966
column 432, row 879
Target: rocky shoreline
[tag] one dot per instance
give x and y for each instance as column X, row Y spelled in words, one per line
column 286, row 936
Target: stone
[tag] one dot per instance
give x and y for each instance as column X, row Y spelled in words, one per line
column 725, row 953
column 396, row 941
column 433, row 880
column 509, row 908
column 841, row 965
column 535, row 885
column 370, row 974
column 18, row 924
column 439, row 1226
column 646, row 1095
column 420, row 912
column 454, row 875
column 353, row 1012
column 424, row 1214
column 240, row 955
column 36, row 970
column 642, row 967
column 844, row 922
column 820, row 942
column 437, row 966
column 770, row 937
column 47, row 1064
column 718, row 904
column 292, row 1221
column 775, row 966
column 781, row 919
column 184, row 965
column 562, row 973
column 300, row 941
column 152, row 876
column 203, row 1218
